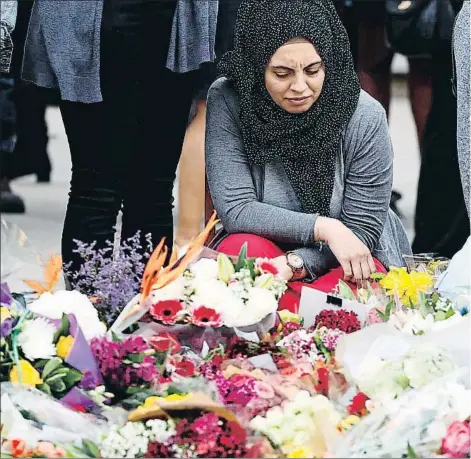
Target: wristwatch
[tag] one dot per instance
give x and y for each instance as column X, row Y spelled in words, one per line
column 296, row 263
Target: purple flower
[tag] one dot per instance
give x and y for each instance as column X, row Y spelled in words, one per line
column 114, row 278
column 6, row 327
column 330, row 338
column 88, row 381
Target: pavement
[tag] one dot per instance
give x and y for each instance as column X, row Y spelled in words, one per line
column 46, row 203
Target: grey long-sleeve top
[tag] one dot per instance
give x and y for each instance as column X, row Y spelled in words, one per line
column 461, row 46
column 261, row 200
column 8, row 10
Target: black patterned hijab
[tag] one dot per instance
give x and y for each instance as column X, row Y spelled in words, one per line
column 307, row 144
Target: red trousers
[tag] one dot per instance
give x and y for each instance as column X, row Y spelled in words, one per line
column 260, row 247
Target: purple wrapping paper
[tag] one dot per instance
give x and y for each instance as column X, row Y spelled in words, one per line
column 75, row 397
column 5, row 295
column 80, row 356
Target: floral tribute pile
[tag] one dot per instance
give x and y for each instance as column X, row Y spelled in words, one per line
column 76, row 383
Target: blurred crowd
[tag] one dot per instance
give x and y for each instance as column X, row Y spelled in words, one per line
column 376, row 28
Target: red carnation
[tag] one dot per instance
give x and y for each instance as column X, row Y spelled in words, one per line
column 185, row 368
column 346, row 321
column 358, row 405
column 205, row 317
column 266, row 266
column 79, row 408
column 166, row 311
column 165, row 342
column 290, row 327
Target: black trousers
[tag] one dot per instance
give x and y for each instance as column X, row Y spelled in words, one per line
column 125, row 150
column 441, row 220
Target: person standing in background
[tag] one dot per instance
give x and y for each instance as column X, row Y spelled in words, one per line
column 441, row 220
column 9, row 201
column 117, row 64
column 191, row 188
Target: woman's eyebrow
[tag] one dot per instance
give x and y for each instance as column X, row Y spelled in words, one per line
column 284, row 67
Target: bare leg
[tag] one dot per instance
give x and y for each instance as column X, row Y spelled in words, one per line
column 420, row 91
column 191, row 190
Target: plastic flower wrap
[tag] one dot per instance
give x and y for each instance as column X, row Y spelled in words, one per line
column 421, row 421
column 385, row 380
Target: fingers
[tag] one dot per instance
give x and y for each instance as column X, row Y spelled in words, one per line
column 371, row 264
column 347, row 270
column 356, row 268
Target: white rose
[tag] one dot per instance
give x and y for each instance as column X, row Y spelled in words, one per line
column 172, row 291
column 205, row 269
column 260, row 304
column 36, row 339
column 53, row 305
column 213, row 294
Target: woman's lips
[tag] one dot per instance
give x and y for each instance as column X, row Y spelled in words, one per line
column 299, row 100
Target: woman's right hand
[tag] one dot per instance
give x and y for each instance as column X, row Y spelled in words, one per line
column 352, row 254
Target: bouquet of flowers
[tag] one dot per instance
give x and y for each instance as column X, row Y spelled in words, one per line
column 51, row 355
column 383, row 380
column 189, row 425
column 431, row 421
column 213, row 293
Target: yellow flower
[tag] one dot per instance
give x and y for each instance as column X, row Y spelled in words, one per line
column 64, row 345
column 4, row 313
column 407, row 286
column 170, row 398
column 287, row 316
column 29, row 374
column 299, row 453
column 348, row 423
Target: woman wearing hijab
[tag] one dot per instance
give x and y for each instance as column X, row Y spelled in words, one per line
column 299, row 159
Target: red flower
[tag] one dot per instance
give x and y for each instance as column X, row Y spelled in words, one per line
column 165, row 342
column 323, row 381
column 166, row 311
column 185, row 368
column 266, row 266
column 290, row 327
column 457, row 441
column 19, row 449
column 346, row 321
column 79, row 408
column 205, row 317
column 358, row 405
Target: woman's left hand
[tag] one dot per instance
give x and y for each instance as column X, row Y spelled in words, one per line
column 284, row 271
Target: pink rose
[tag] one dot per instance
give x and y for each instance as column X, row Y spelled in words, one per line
column 457, row 442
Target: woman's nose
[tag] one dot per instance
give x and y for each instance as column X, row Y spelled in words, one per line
column 299, row 84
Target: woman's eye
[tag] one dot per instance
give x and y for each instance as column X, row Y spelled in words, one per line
column 312, row 72
column 282, row 75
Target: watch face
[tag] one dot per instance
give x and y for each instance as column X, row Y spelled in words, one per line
column 295, row 261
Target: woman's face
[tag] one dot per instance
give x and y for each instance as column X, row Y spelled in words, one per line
column 295, row 75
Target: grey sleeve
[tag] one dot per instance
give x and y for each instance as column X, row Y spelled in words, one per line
column 232, row 187
column 367, row 191
column 8, row 11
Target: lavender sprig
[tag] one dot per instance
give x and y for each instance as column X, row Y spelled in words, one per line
column 113, row 276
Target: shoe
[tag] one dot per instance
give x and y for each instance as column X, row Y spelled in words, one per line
column 10, row 203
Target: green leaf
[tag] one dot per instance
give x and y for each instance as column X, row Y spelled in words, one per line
column 136, row 358
column 63, row 329
column 439, row 316
column 45, row 388
column 58, row 386
column 450, row 313
column 242, row 257
column 345, row 291
column 251, row 267
column 90, row 448
column 50, row 366
column 57, row 376
column 114, row 337
column 73, row 377
column 410, row 451
column 377, row 276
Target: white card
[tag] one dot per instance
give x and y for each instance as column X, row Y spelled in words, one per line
column 204, row 350
column 248, row 336
column 313, row 302
column 264, row 362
